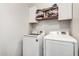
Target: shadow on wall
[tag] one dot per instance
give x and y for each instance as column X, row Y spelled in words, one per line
column 21, row 47
column 19, row 51
column 78, row 51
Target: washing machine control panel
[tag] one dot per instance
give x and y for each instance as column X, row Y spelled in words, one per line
column 64, row 33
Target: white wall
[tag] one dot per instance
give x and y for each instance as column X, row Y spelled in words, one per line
column 75, row 21
column 13, row 25
column 42, row 5
column 50, row 25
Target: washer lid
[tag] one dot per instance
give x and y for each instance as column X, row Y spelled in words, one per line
column 61, row 38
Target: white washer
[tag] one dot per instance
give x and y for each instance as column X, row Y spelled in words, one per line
column 60, row 44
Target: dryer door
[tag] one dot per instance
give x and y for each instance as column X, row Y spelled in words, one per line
column 58, row 48
column 30, row 46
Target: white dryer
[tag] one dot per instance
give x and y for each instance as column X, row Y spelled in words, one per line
column 60, row 44
column 33, row 45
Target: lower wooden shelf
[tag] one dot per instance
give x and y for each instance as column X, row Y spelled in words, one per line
column 48, row 18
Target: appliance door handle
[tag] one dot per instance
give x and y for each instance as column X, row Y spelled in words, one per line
column 36, row 40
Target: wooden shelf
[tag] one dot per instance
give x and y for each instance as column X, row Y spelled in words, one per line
column 40, row 16
column 48, row 18
column 47, row 9
column 47, row 13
